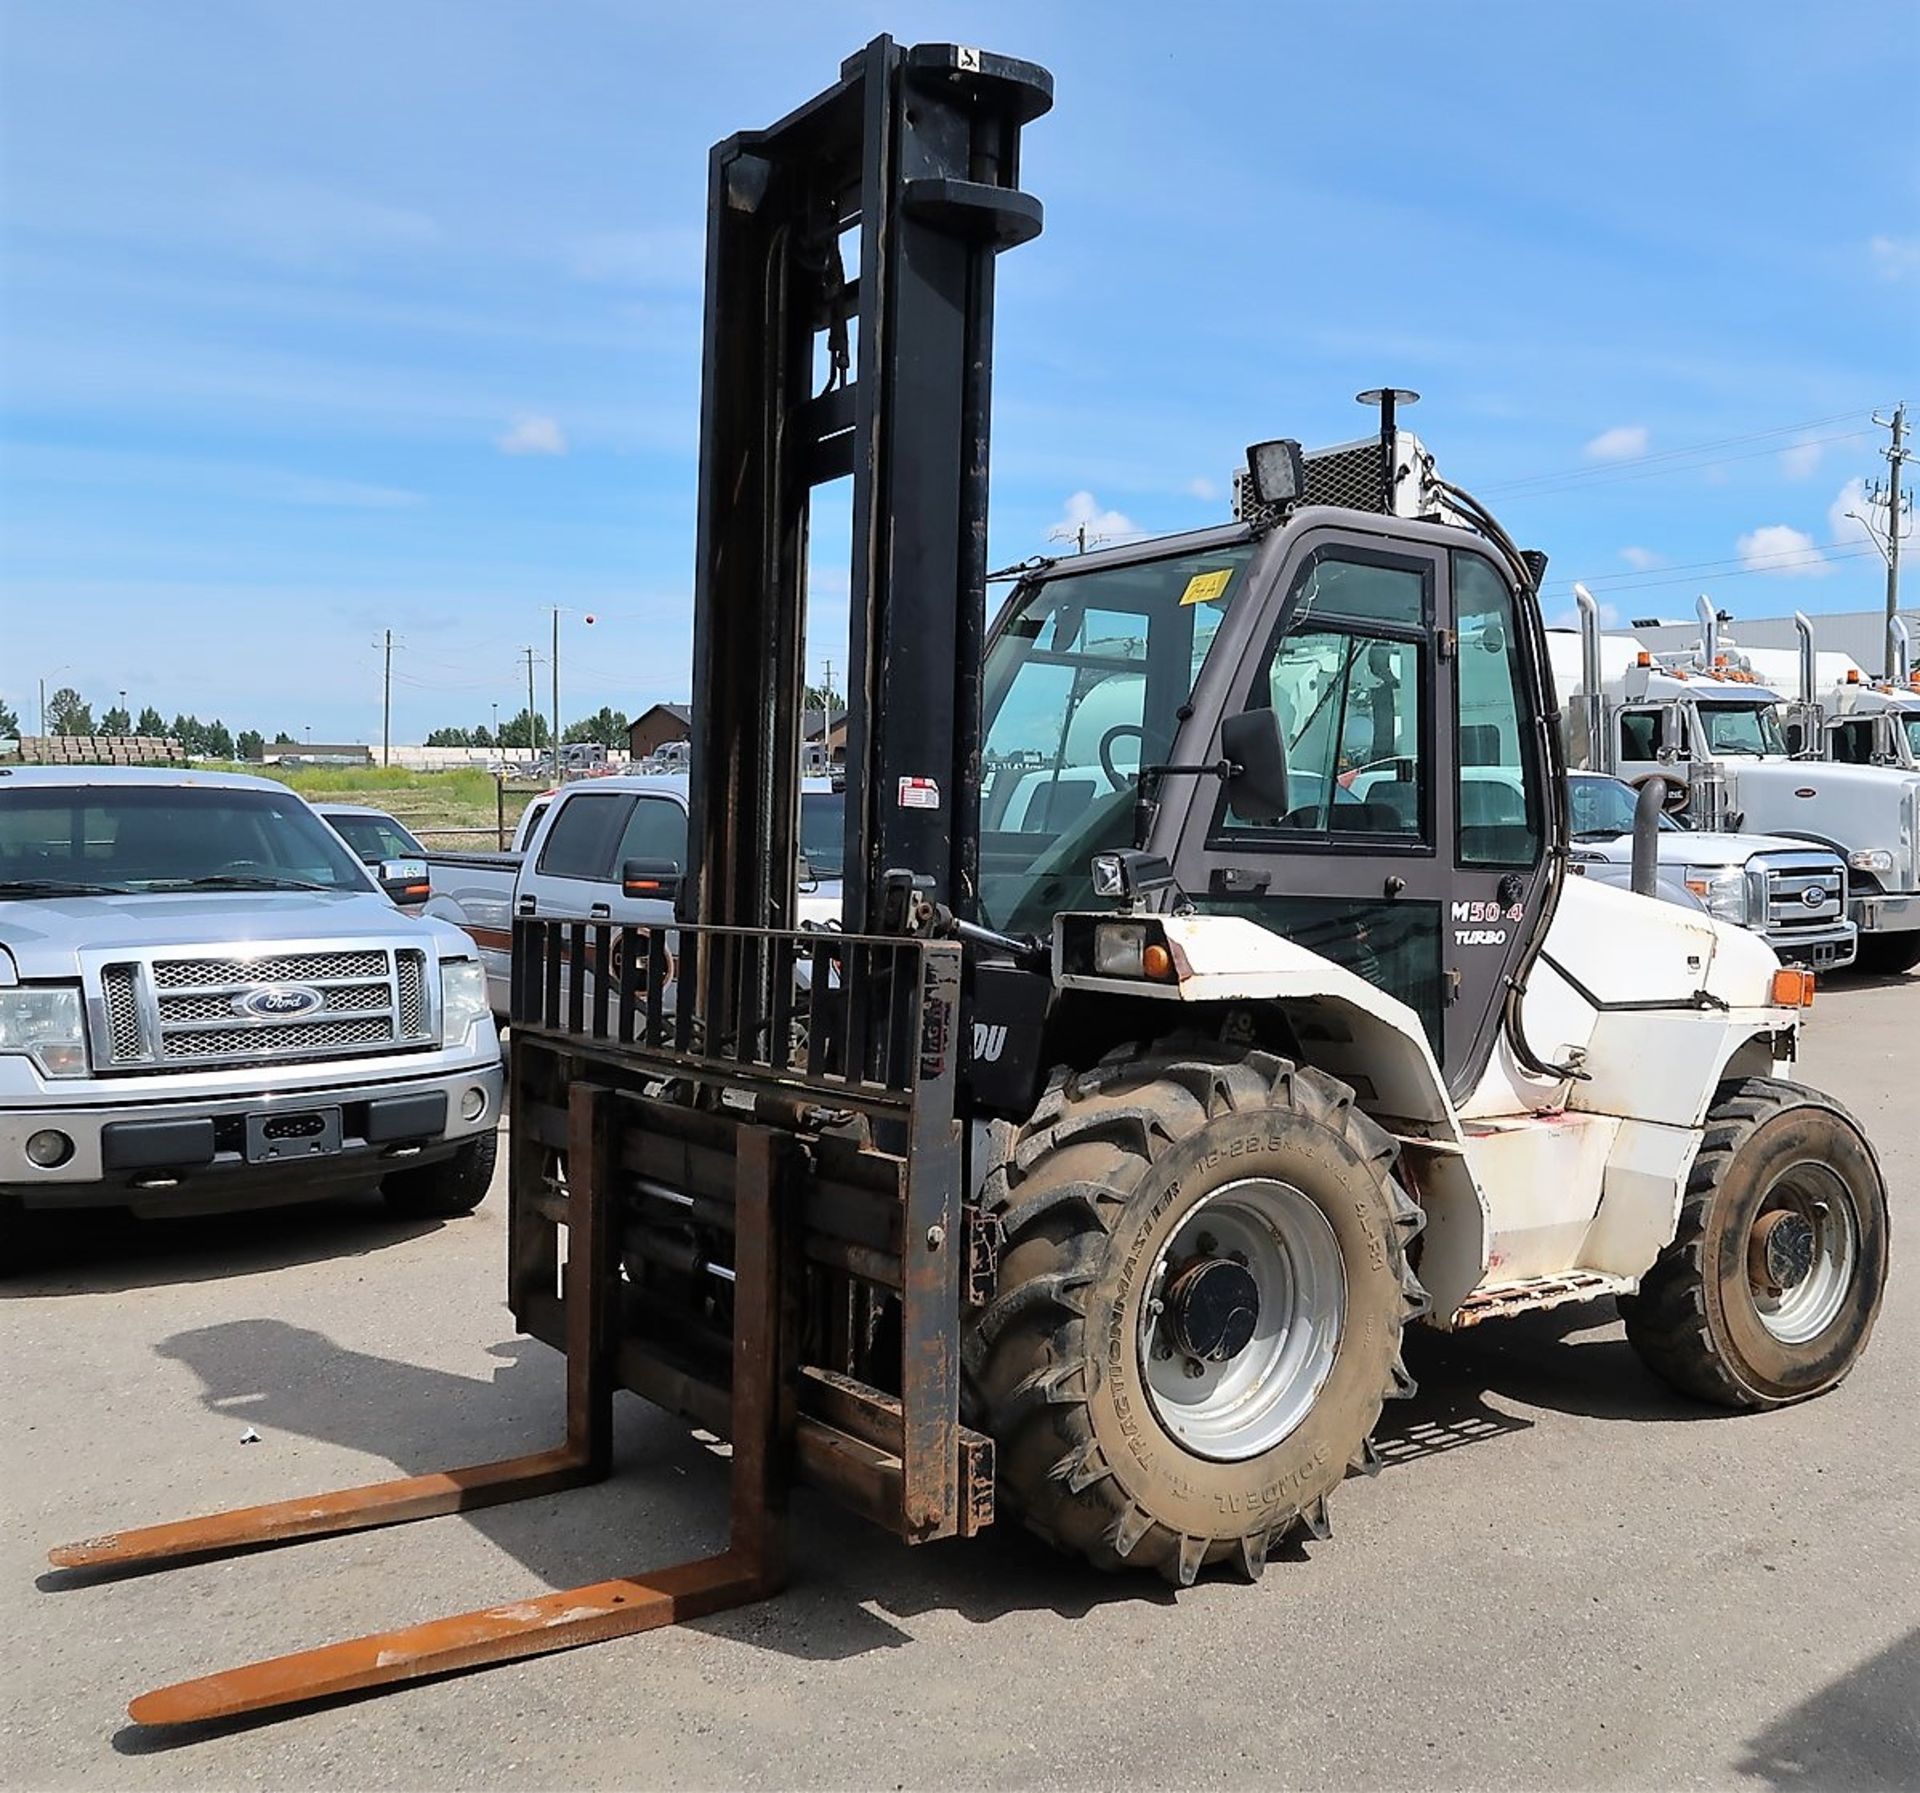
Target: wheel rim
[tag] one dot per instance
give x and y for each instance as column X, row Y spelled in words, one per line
column 1260, row 1237
column 1801, row 1253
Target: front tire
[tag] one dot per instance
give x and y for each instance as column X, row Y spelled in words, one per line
column 446, row 1190
column 1770, row 1288
column 1199, row 1307
column 1888, row 955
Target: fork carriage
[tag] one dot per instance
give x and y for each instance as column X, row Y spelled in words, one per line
column 733, row 1074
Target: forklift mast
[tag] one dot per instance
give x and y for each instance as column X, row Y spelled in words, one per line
column 814, row 372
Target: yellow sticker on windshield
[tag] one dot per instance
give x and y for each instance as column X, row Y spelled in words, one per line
column 1203, row 588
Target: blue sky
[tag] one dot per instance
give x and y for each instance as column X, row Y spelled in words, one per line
column 320, row 320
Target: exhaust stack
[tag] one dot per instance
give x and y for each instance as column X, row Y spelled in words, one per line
column 1709, row 632
column 1899, row 651
column 1592, row 702
column 1808, row 676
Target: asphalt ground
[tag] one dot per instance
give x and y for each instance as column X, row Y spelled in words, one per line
column 1565, row 1577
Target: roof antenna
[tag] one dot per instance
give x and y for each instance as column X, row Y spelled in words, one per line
column 1388, row 398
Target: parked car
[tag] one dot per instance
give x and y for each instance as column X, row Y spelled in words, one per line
column 206, row 1003
column 573, row 845
column 1793, row 895
column 379, row 841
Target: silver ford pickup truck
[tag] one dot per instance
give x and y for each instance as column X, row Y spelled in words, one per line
column 207, row 1002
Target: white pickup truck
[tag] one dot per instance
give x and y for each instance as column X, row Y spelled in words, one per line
column 574, row 844
column 208, row 1002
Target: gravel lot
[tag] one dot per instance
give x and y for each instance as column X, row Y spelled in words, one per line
column 1566, row 1577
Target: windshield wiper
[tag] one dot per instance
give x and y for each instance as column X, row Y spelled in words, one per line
column 239, row 881
column 58, row 887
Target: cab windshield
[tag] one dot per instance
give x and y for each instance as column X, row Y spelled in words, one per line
column 1742, row 728
column 1085, row 680
column 1911, row 724
column 1602, row 808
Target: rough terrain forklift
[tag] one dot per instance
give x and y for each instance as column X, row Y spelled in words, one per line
column 1210, row 1002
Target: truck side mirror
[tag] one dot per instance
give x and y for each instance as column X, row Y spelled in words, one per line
column 650, row 880
column 405, row 880
column 1258, row 784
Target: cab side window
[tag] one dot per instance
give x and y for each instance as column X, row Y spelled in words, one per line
column 1853, row 743
column 1497, row 768
column 1346, row 679
column 581, row 840
column 657, row 830
column 1640, row 735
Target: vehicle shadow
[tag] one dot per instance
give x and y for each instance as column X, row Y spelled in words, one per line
column 1862, row 1730
column 107, row 1251
column 853, row 1588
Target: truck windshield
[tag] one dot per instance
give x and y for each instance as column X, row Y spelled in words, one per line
column 1741, row 728
column 1911, row 723
column 110, row 838
column 1602, row 808
column 1084, row 684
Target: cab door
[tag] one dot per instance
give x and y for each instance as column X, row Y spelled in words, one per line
column 1411, row 852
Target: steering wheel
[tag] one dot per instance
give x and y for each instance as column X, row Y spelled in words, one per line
column 1671, row 803
column 1115, row 777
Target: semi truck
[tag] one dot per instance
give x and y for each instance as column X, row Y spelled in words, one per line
column 1117, row 1152
column 1715, row 731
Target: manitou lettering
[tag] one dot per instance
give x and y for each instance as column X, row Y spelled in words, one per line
column 989, row 1041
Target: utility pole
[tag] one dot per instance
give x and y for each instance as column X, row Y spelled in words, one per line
column 530, row 709
column 1897, row 454
column 386, row 707
column 556, row 691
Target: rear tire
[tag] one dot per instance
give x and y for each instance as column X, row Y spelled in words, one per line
column 1770, row 1288
column 446, row 1190
column 1126, row 1178
column 1889, row 955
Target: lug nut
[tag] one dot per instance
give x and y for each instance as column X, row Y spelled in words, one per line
column 1195, row 1369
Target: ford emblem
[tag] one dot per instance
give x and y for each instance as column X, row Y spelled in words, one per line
column 278, row 1002
column 1813, row 896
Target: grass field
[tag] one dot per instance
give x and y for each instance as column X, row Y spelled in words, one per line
column 445, row 809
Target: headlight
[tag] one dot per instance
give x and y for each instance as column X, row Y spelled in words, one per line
column 1127, row 949
column 1723, row 891
column 45, row 1026
column 463, row 998
column 1871, row 859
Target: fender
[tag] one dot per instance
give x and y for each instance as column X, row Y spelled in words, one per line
column 1371, row 1041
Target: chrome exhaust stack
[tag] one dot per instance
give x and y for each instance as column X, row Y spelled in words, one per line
column 1709, row 632
column 1899, row 651
column 1593, row 706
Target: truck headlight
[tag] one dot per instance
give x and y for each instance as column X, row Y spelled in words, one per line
column 463, row 998
column 1723, row 891
column 1871, row 859
column 44, row 1024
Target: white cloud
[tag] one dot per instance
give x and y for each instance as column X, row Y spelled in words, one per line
column 1083, row 512
column 1896, row 258
column 1642, row 560
column 1779, row 549
column 1204, row 489
column 1848, row 530
column 1622, row 443
column 1802, row 460
column 533, row 435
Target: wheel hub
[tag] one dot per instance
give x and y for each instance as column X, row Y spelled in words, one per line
column 1213, row 1307
column 1781, row 1251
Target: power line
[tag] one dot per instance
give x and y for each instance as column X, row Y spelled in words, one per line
column 1622, row 473
column 1670, row 454
column 1739, row 572
column 1840, row 550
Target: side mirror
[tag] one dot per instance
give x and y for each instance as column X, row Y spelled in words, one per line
column 404, row 880
column 1258, row 785
column 803, row 873
column 650, row 880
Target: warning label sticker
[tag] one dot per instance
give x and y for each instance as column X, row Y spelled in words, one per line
column 919, row 793
column 1203, row 588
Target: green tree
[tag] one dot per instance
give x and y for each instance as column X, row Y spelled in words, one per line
column 450, row 737
column 219, row 741
column 522, row 733
column 283, row 739
column 68, row 713
column 191, row 733
column 483, row 736
column 150, row 723
column 818, row 697
column 249, row 745
column 9, row 721
column 116, row 722
column 608, row 726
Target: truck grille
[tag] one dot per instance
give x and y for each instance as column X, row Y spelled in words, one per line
column 1804, row 896
column 161, row 1012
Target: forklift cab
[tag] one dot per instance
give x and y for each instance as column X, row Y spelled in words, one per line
column 1406, row 687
